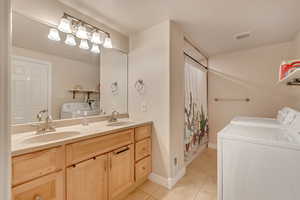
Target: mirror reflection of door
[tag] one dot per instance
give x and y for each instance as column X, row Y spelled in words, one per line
column 30, row 88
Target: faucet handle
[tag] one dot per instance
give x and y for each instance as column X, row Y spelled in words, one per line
column 40, row 114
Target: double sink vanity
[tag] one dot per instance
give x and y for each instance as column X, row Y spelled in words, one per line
column 100, row 160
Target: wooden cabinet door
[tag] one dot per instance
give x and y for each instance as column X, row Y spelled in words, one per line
column 121, row 174
column 88, row 180
column 48, row 187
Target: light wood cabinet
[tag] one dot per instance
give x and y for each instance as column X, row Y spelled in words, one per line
column 49, row 187
column 143, row 168
column 88, row 180
column 121, row 173
column 92, row 147
column 33, row 165
column 143, row 132
column 142, row 149
column 100, row 168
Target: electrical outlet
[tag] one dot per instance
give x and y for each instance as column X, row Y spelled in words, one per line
column 144, row 107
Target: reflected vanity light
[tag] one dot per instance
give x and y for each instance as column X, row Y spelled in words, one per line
column 84, row 45
column 54, row 34
column 82, row 33
column 95, row 49
column 107, row 43
column 65, row 25
column 74, row 27
column 97, row 38
column 70, row 40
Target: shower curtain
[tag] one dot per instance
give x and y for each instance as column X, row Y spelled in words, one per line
column 196, row 122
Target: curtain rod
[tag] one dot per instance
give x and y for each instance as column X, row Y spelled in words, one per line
column 196, row 48
column 195, row 60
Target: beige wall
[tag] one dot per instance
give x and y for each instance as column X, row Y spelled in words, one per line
column 50, row 12
column 149, row 60
column 296, row 46
column 156, row 56
column 177, row 94
column 250, row 74
column 66, row 73
column 113, row 69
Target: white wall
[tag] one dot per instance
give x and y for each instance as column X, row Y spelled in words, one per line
column 253, row 74
column 149, row 60
column 5, row 42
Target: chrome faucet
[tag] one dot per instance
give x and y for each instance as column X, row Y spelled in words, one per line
column 114, row 116
column 44, row 127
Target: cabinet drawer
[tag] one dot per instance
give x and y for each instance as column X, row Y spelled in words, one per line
column 143, row 168
column 142, row 149
column 92, row 147
column 29, row 166
column 142, row 132
column 49, row 187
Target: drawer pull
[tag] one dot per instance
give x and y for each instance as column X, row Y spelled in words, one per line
column 144, row 168
column 121, row 151
column 38, row 197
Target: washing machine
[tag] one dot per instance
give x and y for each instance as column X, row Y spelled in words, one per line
column 78, row 109
column 259, row 163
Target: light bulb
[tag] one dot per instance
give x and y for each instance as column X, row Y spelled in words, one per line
column 54, row 34
column 82, row 33
column 107, row 43
column 84, row 45
column 65, row 25
column 95, row 49
column 96, row 38
column 70, row 40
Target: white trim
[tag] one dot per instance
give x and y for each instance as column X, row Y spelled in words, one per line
column 159, row 180
column 167, row 182
column 5, row 45
column 196, row 154
column 212, row 146
column 49, row 66
column 172, row 181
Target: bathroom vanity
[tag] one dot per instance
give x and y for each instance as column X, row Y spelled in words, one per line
column 98, row 162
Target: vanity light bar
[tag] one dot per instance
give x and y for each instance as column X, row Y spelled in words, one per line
column 84, row 23
column 86, row 32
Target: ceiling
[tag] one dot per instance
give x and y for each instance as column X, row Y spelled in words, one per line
column 211, row 24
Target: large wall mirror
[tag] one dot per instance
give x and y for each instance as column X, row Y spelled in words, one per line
column 68, row 81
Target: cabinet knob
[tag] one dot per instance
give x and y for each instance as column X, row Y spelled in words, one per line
column 38, row 197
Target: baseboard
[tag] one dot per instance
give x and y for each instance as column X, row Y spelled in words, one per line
column 179, row 175
column 167, row 182
column 212, row 146
column 158, row 179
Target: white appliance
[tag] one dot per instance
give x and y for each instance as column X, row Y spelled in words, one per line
column 257, row 121
column 259, row 163
column 78, row 109
column 284, row 118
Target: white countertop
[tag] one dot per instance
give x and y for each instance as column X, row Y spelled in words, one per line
column 26, row 142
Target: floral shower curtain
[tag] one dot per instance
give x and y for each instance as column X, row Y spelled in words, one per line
column 196, row 122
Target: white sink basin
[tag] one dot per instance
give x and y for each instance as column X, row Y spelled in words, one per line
column 48, row 137
column 121, row 123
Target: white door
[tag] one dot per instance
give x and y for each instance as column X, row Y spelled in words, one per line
column 30, row 88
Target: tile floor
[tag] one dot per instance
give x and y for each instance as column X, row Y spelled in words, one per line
column 199, row 183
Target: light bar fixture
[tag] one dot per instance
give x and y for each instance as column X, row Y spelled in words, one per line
column 88, row 34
